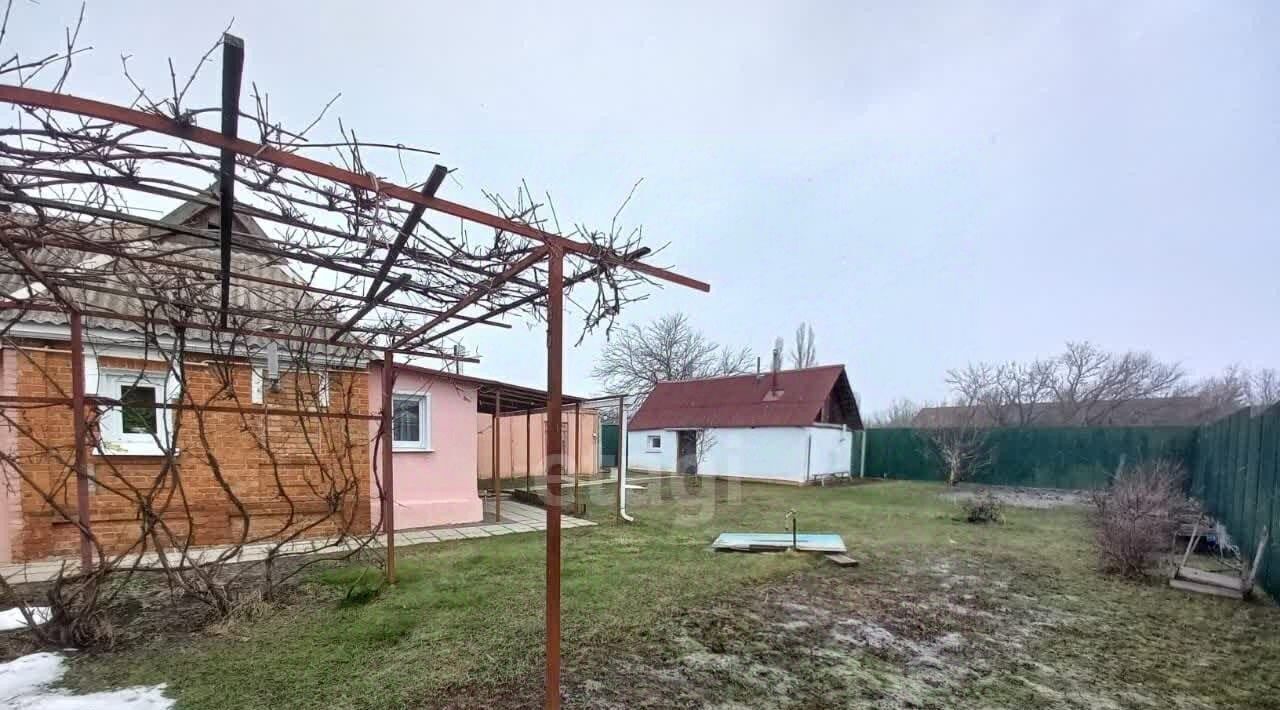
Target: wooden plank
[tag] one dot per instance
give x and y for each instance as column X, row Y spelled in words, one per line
column 1257, row 561
column 1191, row 545
column 1205, row 589
column 842, row 560
column 1217, row 579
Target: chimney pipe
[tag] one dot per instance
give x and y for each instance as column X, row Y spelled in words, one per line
column 757, row 368
column 777, row 364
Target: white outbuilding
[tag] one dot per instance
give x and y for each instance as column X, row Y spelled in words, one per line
column 785, row 426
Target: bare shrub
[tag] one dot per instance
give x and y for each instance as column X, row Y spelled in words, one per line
column 984, row 508
column 1135, row 517
column 963, row 451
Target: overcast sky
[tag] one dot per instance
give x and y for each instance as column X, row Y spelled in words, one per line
column 926, row 183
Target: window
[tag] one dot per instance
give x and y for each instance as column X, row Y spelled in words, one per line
column 136, row 426
column 138, row 413
column 655, row 442
column 411, row 422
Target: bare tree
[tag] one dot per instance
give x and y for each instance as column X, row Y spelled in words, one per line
column 899, row 413
column 705, row 443
column 1264, row 387
column 804, row 353
column 1221, row 395
column 1237, row 387
column 668, row 349
column 963, row 450
column 1083, row 386
column 1092, row 383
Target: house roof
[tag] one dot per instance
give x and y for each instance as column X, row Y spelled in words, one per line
column 122, row 283
column 748, row 400
column 1155, row 411
column 515, row 399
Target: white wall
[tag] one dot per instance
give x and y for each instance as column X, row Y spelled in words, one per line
column 641, row 457
column 777, row 453
column 831, row 451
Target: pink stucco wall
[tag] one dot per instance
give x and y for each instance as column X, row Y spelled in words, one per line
column 437, row 487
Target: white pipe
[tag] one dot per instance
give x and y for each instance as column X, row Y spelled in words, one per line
column 862, row 461
column 622, row 464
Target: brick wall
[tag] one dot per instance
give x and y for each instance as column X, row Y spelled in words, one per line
column 289, row 474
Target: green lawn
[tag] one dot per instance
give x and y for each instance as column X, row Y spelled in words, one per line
column 940, row 614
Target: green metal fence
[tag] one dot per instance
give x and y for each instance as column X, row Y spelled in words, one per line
column 1233, row 466
column 1041, row 457
column 1235, row 472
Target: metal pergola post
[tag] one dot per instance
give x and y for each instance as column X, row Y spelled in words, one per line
column 388, row 477
column 617, row 494
column 555, row 468
column 80, row 430
column 577, row 451
column 528, row 450
column 497, row 455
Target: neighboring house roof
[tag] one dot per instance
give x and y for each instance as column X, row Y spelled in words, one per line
column 749, row 401
column 1156, row 411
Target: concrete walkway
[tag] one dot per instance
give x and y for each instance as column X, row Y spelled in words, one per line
column 516, row 518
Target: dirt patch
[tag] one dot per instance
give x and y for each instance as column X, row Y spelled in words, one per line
column 1042, row 498
column 920, row 636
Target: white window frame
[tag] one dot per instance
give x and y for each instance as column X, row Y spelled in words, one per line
column 424, row 422
column 113, row 441
column 649, row 446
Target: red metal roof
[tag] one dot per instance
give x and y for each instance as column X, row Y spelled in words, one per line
column 748, row 401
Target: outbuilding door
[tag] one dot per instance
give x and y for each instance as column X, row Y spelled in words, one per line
column 687, row 451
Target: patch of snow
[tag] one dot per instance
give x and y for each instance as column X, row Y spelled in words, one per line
column 11, row 619
column 865, row 633
column 25, row 685
column 951, row 642
column 1038, row 498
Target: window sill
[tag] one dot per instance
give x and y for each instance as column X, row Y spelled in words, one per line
column 398, row 449
column 135, row 453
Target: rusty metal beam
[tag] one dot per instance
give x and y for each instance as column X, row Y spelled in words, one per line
column 232, row 69
column 249, row 278
column 260, row 214
column 373, row 303
column 262, row 410
column 434, row 180
column 35, row 271
column 259, row 247
column 109, row 315
column 476, row 294
column 588, row 274
column 36, row 98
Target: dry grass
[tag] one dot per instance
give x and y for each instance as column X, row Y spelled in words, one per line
column 941, row 614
